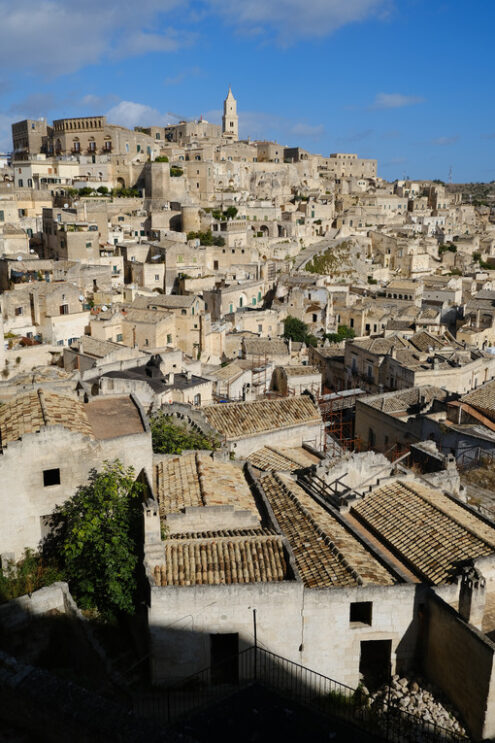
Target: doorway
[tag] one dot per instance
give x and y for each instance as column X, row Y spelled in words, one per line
column 375, row 662
column 224, row 651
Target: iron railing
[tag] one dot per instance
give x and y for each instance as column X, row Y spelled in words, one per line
column 297, row 683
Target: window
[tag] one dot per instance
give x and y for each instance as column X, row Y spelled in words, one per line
column 120, row 337
column 2, row 216
column 89, row 244
column 21, row 183
column 361, row 612
column 197, row 399
column 64, row 309
column 51, row 477
column 157, row 277
column 169, row 339
column 146, row 342
column 253, row 301
column 18, row 311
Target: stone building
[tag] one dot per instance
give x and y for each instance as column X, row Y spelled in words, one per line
column 393, row 593
column 49, row 444
column 247, row 426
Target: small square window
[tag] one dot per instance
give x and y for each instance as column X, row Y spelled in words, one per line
column 361, row 612
column 51, row 477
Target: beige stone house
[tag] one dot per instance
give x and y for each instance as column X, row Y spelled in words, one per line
column 58, row 440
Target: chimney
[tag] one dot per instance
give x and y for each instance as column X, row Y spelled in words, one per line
column 472, row 596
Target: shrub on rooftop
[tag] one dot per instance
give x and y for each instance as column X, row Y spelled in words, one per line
column 170, row 437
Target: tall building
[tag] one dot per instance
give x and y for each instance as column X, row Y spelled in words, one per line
column 230, row 120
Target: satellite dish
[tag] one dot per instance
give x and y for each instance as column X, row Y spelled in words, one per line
column 81, row 298
column 104, row 308
column 66, row 206
column 32, row 251
column 19, row 258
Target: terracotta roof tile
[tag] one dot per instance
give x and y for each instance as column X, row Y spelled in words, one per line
column 234, row 419
column 326, row 554
column 223, row 561
column 196, row 479
column 28, row 413
column 425, row 528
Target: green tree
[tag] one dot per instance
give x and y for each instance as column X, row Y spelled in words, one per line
column 95, row 537
column 161, row 159
column 176, row 172
column 297, row 330
column 170, row 437
column 231, row 212
column 103, row 190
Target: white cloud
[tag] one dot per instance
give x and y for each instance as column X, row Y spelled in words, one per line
column 293, row 19
column 131, row 114
column 445, row 141
column 395, row 100
column 60, row 36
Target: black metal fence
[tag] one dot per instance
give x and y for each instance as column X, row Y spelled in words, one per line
column 297, row 683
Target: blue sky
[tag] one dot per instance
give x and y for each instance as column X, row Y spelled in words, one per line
column 410, row 82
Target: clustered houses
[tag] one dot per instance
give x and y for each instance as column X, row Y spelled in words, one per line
column 292, row 307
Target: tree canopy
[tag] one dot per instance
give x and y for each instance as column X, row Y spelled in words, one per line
column 95, row 538
column 297, row 330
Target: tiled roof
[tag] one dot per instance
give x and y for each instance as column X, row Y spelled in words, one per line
column 223, row 561
column 165, row 301
column 196, row 479
column 96, row 347
column 381, row 346
column 404, row 399
column 237, row 419
column 268, row 346
column 326, row 554
column 30, row 412
column 230, row 371
column 269, row 459
column 301, row 371
column 426, row 529
column 483, row 397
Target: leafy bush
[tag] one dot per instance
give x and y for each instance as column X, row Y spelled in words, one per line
column 343, row 332
column 29, row 574
column 161, row 159
column 176, row 172
column 206, row 238
column 170, row 437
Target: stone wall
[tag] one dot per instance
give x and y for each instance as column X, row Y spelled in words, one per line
column 459, row 659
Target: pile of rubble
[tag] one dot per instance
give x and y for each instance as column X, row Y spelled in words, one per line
column 417, row 698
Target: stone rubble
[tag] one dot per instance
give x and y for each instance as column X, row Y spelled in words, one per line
column 417, row 697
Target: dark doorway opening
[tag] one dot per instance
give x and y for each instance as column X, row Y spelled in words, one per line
column 224, row 650
column 374, row 662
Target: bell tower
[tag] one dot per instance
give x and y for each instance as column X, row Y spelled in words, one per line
column 230, row 120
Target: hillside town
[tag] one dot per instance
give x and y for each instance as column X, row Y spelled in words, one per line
column 291, row 362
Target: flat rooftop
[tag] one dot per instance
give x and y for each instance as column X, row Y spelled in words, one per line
column 110, row 417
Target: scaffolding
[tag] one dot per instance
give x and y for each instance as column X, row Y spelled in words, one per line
column 337, row 412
